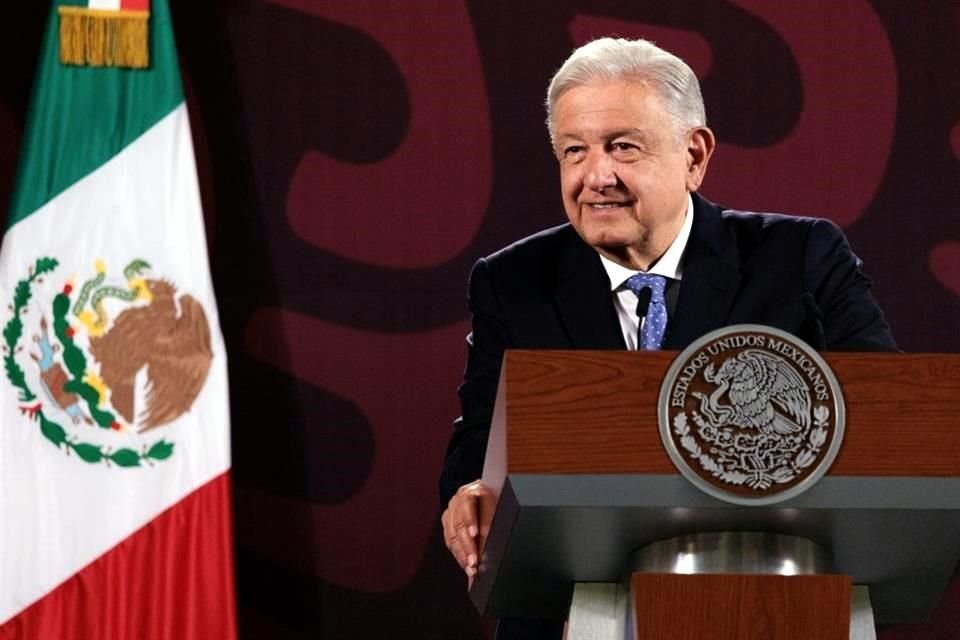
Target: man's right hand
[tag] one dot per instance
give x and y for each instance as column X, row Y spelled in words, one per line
column 466, row 524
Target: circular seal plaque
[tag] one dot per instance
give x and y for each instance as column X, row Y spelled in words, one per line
column 751, row 414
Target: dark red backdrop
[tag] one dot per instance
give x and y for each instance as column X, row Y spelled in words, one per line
column 358, row 155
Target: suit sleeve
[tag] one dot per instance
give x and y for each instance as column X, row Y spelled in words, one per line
column 851, row 317
column 486, row 343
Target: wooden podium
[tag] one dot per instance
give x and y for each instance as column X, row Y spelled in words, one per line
column 583, row 481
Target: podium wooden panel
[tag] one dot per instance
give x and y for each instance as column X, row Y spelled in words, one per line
column 740, row 607
column 574, row 412
column 583, row 480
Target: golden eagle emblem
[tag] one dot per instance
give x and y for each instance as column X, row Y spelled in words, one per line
column 169, row 340
column 149, row 349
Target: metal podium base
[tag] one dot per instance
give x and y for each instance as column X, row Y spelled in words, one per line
column 732, row 552
column 601, row 611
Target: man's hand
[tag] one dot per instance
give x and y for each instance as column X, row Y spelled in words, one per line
column 466, row 523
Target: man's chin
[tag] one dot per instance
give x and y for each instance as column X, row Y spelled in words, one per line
column 615, row 246
column 608, row 241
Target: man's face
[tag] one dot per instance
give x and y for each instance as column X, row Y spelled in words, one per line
column 625, row 169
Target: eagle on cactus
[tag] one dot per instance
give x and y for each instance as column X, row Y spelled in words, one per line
column 168, row 338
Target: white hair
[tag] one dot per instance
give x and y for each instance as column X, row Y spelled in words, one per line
column 618, row 59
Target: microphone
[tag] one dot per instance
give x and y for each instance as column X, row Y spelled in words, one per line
column 643, row 301
column 815, row 317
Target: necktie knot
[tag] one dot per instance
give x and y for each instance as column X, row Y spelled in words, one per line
column 654, row 317
column 640, row 281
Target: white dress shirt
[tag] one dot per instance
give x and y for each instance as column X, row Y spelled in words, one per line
column 669, row 265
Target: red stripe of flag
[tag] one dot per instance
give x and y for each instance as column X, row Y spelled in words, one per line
column 134, row 5
column 171, row 579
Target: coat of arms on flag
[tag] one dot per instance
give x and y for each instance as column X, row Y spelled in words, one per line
column 105, row 33
column 127, row 356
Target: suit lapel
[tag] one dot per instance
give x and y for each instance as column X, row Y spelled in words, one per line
column 583, row 299
column 711, row 278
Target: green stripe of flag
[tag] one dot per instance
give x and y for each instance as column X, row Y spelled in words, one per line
column 80, row 117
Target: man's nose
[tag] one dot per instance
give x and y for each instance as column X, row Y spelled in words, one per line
column 601, row 172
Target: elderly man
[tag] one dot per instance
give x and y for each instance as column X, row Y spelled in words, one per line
column 645, row 262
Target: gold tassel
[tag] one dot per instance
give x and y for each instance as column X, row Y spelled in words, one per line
column 102, row 38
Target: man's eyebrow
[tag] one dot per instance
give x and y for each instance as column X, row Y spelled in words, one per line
column 644, row 135
column 649, row 141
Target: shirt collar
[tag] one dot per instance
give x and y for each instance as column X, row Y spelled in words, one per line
column 670, row 264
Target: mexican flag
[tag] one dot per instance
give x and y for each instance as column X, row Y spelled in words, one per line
column 114, row 417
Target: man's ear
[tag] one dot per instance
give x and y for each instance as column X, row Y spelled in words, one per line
column 700, row 146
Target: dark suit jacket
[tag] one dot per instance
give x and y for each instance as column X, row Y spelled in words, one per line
column 550, row 291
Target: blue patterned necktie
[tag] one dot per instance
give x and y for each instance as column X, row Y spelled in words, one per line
column 655, row 321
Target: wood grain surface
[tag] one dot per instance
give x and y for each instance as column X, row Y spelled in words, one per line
column 596, row 412
column 740, row 607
